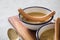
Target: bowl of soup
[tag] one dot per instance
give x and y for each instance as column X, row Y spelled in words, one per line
column 46, row 32
column 35, row 11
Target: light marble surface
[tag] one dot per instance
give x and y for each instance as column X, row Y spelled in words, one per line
column 9, row 8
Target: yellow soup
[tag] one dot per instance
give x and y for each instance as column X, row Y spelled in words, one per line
column 47, row 35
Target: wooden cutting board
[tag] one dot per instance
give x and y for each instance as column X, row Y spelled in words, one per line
column 57, row 29
column 21, row 29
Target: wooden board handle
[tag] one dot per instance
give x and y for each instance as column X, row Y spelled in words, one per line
column 57, row 29
column 20, row 28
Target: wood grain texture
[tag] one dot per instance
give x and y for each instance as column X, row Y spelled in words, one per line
column 57, row 29
column 25, row 33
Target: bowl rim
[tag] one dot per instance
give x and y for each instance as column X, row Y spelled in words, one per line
column 38, row 23
column 37, row 32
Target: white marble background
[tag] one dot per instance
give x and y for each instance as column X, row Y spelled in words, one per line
column 9, row 8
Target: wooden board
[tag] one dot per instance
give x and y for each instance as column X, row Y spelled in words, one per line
column 24, row 32
column 57, row 29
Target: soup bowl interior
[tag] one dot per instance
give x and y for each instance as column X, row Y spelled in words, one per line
column 44, row 28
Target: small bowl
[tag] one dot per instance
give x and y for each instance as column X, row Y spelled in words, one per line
column 44, row 28
column 35, row 9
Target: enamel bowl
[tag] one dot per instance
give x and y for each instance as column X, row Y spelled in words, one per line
column 44, row 28
column 35, row 26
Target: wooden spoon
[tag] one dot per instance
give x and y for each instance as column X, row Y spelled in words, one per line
column 26, row 16
column 57, row 29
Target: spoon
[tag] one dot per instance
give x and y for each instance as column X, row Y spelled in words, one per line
column 57, row 29
column 12, row 34
column 26, row 16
